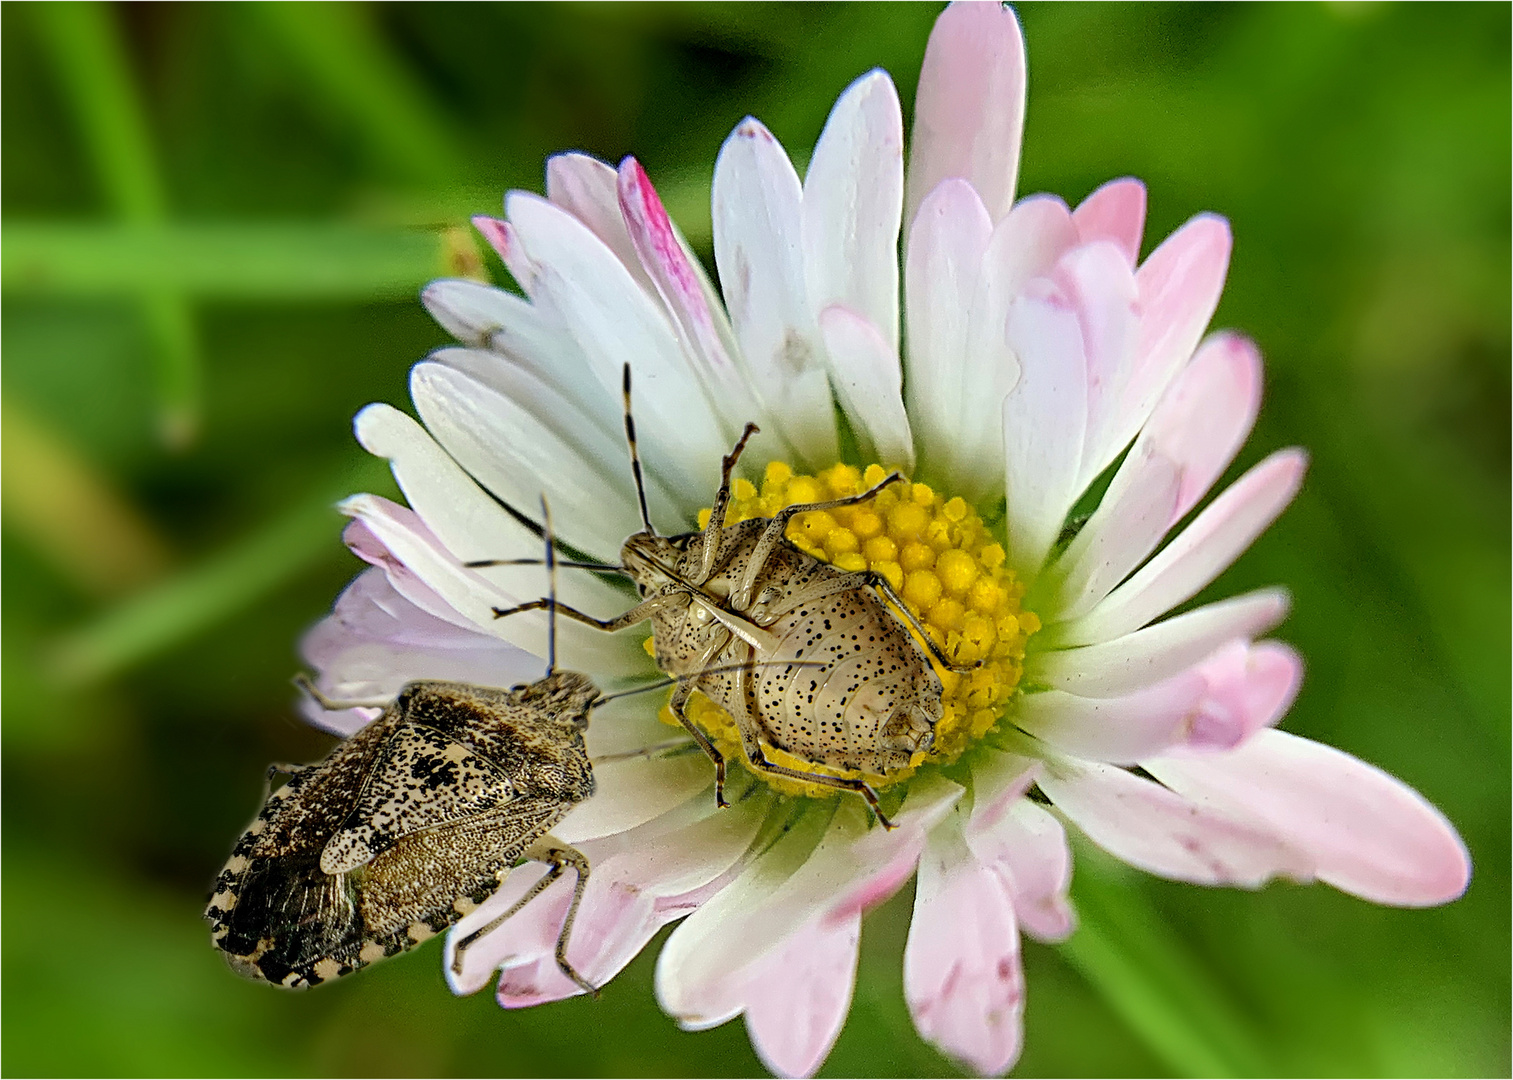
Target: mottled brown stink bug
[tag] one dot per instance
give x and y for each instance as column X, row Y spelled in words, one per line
column 740, row 597
column 409, row 825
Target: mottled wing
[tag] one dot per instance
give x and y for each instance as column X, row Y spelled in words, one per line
column 421, row 780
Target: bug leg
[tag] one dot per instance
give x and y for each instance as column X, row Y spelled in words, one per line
column 641, row 612
column 721, row 501
column 305, row 683
column 740, row 599
column 882, row 584
column 558, row 857
column 680, row 698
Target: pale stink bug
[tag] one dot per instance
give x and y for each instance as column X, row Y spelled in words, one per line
column 409, row 825
column 744, row 596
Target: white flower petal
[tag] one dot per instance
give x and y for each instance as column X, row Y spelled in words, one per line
column 1120, row 730
column 852, row 867
column 1202, row 551
column 1147, row 656
column 588, row 189
column 614, row 323
column 947, row 243
column 506, row 448
column 999, row 780
column 759, row 252
column 969, row 108
column 634, row 790
column 853, row 203
column 870, row 383
column 468, row 525
column 1157, row 830
column 797, row 996
column 1369, row 833
column 1043, row 425
column 962, row 975
column 1102, row 289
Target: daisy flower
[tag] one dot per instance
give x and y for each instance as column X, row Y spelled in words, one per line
column 1062, row 417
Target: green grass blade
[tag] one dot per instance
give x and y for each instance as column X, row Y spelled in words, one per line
column 176, row 610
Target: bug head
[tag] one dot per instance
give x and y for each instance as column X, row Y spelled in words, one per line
column 564, row 697
column 651, row 560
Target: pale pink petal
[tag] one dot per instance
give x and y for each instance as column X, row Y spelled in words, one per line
column 797, row 996
column 680, row 282
column 869, row 380
column 1249, row 687
column 969, row 108
column 615, row 322
column 854, row 865
column 1130, row 521
column 1044, row 418
column 587, row 188
column 1102, row 291
column 1158, row 652
column 375, row 641
column 1027, row 847
column 853, row 201
column 1368, row 833
column 759, row 252
column 1121, row 730
column 1115, row 212
column 366, row 545
column 1207, row 413
column 1198, row 554
column 947, row 242
column 1179, row 287
column 962, row 975
column 1024, row 245
column 1158, row 830
column 503, row 239
column 640, row 880
column 999, row 780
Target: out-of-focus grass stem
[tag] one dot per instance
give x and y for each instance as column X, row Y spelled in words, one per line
column 84, row 44
column 1125, row 951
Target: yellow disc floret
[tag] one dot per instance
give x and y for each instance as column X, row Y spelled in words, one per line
column 940, row 558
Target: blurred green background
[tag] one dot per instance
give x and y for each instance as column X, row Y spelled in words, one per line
column 216, row 221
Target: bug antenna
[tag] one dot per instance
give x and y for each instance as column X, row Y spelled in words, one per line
column 551, row 588
column 635, row 456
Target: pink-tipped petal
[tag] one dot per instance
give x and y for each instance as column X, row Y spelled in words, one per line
column 680, row 283
column 1206, row 415
column 947, row 242
column 999, row 780
column 1160, row 831
column 1202, row 551
column 797, row 997
column 375, row 641
column 969, row 109
column 853, row 202
column 1179, row 287
column 759, row 251
column 587, row 188
column 502, row 238
column 1044, row 421
column 962, row 975
column 1028, row 847
column 869, row 380
column 1158, row 652
column 1116, row 213
column 1121, row 730
column 1249, row 687
column 1368, row 832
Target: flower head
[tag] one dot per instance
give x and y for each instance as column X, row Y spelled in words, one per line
column 1061, row 415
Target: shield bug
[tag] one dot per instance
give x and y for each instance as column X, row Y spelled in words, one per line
column 409, row 825
column 740, row 598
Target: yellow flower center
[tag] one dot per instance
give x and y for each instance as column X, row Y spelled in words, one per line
column 950, row 572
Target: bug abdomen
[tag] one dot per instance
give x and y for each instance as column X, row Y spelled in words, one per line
column 875, row 701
